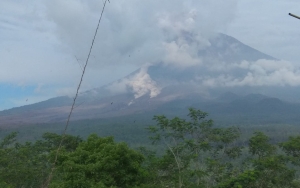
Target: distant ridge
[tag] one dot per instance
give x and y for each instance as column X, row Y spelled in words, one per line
column 228, row 97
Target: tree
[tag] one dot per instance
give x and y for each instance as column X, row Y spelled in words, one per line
column 265, row 167
column 21, row 165
column 292, row 149
column 100, row 162
column 28, row 164
column 194, row 149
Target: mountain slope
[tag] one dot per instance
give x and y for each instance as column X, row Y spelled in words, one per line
column 165, row 89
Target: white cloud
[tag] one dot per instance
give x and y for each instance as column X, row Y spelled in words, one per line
column 266, row 26
column 260, row 73
column 155, row 31
column 39, row 40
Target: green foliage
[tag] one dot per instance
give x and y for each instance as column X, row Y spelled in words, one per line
column 259, row 145
column 292, row 149
column 191, row 153
column 28, row 164
column 100, row 162
column 22, row 165
column 245, row 179
column 199, row 155
column 265, row 168
column 8, row 140
column 51, row 141
column 195, row 150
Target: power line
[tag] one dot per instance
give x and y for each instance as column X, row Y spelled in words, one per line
column 295, row 16
column 46, row 184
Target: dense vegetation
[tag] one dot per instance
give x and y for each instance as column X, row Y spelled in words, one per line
column 190, row 153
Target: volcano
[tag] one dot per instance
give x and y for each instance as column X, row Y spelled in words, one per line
column 229, row 80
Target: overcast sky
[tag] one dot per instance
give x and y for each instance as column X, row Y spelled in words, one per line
column 43, row 44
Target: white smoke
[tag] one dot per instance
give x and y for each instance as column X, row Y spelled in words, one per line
column 140, row 84
column 180, row 54
column 153, row 30
column 184, row 41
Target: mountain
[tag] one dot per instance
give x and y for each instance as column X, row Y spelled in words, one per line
column 161, row 88
column 230, row 50
column 223, row 48
column 228, row 97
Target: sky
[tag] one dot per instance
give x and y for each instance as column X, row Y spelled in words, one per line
column 44, row 44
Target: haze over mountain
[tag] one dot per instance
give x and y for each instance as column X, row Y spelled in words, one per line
column 255, row 80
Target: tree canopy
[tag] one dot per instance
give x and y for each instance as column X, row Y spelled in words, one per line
column 190, row 153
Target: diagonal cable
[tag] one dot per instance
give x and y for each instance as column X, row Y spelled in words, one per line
column 46, row 184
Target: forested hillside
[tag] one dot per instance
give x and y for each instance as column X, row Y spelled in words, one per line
column 185, row 152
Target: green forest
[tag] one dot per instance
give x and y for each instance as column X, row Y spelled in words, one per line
column 182, row 152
